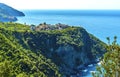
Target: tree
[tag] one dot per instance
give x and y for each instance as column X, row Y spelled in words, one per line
column 44, row 23
column 110, row 64
column 22, row 75
column 5, row 69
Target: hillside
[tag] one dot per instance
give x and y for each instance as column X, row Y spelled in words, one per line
column 8, row 13
column 15, row 61
column 66, row 49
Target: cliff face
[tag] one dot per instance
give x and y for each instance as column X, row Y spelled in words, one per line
column 69, row 48
column 8, row 13
column 44, row 52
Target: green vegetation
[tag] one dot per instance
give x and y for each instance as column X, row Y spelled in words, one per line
column 15, row 61
column 14, row 27
column 26, row 52
column 110, row 64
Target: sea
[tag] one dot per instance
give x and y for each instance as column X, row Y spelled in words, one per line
column 100, row 23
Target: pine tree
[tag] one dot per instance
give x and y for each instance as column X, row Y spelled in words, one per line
column 110, row 64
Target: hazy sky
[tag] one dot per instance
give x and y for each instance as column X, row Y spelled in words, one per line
column 63, row 4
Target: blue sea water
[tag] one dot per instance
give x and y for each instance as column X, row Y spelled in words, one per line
column 101, row 23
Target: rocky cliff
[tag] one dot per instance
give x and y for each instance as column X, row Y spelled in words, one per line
column 68, row 48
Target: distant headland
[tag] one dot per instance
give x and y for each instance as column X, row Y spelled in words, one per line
column 8, row 13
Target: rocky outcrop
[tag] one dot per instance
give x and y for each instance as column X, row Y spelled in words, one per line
column 68, row 48
column 8, row 13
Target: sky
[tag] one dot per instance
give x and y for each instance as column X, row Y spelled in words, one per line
column 63, row 4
